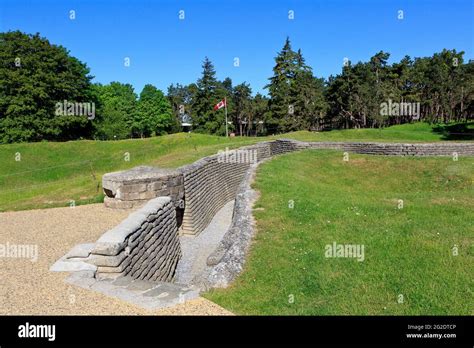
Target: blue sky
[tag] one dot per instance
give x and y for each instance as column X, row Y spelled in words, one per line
column 164, row 49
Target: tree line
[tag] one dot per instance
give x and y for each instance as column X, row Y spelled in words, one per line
column 41, row 82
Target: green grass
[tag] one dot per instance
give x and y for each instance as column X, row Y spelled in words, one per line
column 416, row 132
column 408, row 251
column 52, row 174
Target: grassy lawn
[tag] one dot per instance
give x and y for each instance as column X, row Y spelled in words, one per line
column 52, row 174
column 414, row 133
column 407, row 251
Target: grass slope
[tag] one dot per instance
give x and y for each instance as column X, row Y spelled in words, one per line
column 408, row 251
column 52, row 174
column 413, row 133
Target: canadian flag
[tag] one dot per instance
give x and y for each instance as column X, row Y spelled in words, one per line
column 220, row 105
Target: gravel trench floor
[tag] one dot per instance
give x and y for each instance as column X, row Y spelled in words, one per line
column 196, row 249
column 29, row 288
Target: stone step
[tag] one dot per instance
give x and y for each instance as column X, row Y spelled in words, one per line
column 149, row 295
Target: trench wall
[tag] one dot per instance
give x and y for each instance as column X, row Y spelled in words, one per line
column 213, row 181
column 145, row 245
column 385, row 149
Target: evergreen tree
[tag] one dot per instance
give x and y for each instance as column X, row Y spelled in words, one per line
column 442, row 84
column 260, row 114
column 242, row 107
column 209, row 93
column 180, row 98
column 227, row 85
column 297, row 97
column 280, row 104
column 307, row 93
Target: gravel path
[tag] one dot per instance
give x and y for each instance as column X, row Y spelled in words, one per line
column 197, row 249
column 29, row 288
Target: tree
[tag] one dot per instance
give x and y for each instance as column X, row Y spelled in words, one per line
column 116, row 112
column 441, row 84
column 34, row 76
column 340, row 95
column 465, row 96
column 307, row 92
column 209, row 93
column 242, row 116
column 259, row 114
column 296, row 96
column 227, row 85
column 180, row 98
column 280, row 104
column 444, row 71
column 401, row 85
column 154, row 116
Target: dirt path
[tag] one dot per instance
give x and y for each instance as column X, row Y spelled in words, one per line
column 29, row 288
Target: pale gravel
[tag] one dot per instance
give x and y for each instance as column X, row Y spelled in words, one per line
column 29, row 288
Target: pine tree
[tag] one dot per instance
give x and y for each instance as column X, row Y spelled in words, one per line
column 260, row 114
column 242, row 111
column 209, row 93
column 180, row 98
column 307, row 93
column 280, row 105
column 297, row 97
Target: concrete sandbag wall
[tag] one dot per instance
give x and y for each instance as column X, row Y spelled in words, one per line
column 134, row 187
column 144, row 246
column 213, row 181
column 386, row 149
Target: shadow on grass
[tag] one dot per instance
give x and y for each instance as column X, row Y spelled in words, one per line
column 459, row 131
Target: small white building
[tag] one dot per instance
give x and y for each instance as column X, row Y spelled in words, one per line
column 186, row 123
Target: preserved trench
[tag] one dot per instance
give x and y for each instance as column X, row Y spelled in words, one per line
column 193, row 225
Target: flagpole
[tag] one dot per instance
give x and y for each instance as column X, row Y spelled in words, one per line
column 226, row 123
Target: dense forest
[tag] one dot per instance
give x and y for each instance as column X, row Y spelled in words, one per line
column 46, row 94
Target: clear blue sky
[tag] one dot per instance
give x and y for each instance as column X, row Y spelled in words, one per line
column 164, row 49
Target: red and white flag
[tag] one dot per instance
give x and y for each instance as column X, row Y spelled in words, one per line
column 220, row 105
